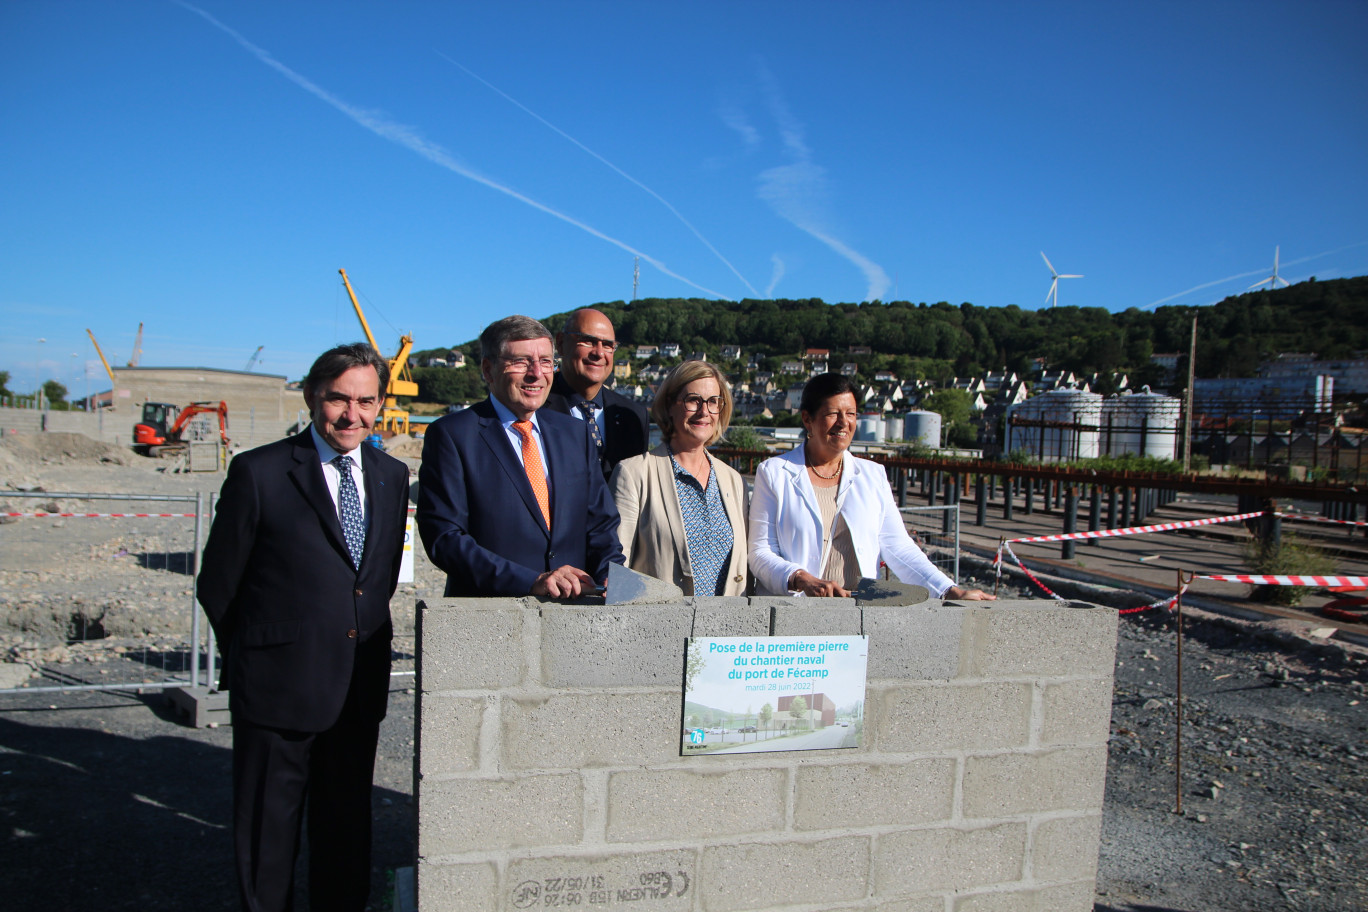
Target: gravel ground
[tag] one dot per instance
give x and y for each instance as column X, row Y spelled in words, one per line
column 109, row 802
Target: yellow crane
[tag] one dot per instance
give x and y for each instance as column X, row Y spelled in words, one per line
column 102, row 357
column 392, row 417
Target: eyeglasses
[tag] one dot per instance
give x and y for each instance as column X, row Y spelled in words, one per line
column 584, row 340
column 696, row 402
column 525, row 363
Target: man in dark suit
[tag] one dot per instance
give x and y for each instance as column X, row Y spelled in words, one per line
column 621, row 428
column 512, row 501
column 297, row 575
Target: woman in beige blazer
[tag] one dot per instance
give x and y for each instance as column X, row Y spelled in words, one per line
column 684, row 512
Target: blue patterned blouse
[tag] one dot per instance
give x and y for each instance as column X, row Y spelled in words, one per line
column 706, row 529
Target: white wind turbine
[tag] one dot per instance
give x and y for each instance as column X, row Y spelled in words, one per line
column 1273, row 280
column 1053, row 296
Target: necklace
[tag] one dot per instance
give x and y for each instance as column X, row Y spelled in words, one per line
column 837, row 474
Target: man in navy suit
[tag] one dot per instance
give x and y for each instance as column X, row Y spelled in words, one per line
column 297, row 575
column 586, row 344
column 512, row 501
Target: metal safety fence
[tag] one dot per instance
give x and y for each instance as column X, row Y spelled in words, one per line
column 936, row 529
column 97, row 591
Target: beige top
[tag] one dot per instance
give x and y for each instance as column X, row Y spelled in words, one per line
column 842, row 566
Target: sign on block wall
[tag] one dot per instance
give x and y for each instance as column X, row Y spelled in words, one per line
column 745, row 694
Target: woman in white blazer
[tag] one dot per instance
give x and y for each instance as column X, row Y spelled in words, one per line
column 684, row 512
column 821, row 519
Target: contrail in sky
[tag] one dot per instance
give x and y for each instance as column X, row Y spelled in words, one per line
column 776, row 275
column 794, row 190
column 412, row 140
column 673, row 211
column 1245, row 275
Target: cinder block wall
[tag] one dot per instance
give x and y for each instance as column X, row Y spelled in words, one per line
column 549, row 774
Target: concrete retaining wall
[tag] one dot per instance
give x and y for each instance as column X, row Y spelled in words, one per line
column 548, row 769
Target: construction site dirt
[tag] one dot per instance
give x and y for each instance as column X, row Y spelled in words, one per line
column 110, row 801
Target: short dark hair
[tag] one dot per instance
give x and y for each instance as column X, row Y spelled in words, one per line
column 516, row 328
column 335, row 362
column 822, row 387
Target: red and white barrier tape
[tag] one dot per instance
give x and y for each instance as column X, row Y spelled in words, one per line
column 1167, row 601
column 98, row 515
column 1323, row 519
column 1029, row 575
column 1138, row 530
column 1257, row 580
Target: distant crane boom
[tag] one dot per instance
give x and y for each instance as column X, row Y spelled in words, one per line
column 253, row 360
column 401, row 383
column 102, row 357
column 137, row 349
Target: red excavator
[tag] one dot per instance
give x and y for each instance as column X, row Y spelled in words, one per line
column 153, row 437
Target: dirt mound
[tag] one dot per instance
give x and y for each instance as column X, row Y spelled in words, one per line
column 60, row 448
column 402, row 446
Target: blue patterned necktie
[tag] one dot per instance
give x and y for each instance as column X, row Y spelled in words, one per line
column 349, row 509
column 589, row 408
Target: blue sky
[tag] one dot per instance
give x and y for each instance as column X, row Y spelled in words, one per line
column 207, row 168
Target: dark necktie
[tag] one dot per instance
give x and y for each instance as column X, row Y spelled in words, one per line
column 588, row 408
column 349, row 509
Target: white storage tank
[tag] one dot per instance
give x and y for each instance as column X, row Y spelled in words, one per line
column 1058, row 407
column 1143, row 423
column 923, row 428
column 870, row 427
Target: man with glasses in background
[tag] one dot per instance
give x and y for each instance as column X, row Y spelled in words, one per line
column 620, row 427
column 512, row 501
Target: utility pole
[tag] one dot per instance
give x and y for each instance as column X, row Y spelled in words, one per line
column 1187, row 408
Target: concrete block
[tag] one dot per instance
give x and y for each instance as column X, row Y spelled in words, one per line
column 637, row 646
column 577, row 731
column 859, row 795
column 917, row 861
column 1076, row 712
column 661, row 880
column 929, row 903
column 927, row 717
column 448, row 733
column 477, row 814
column 1066, row 848
column 470, row 644
column 457, row 887
column 1065, row 779
column 773, row 874
column 1035, row 638
column 729, row 616
column 689, row 804
column 1074, row 897
column 924, row 641
column 812, row 616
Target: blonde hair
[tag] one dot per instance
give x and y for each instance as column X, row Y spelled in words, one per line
column 678, row 378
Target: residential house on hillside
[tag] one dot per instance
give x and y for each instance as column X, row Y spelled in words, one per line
column 858, row 350
column 697, row 356
column 817, row 354
column 1052, row 380
column 791, row 367
column 622, row 370
column 731, row 352
column 849, row 369
column 885, row 376
column 670, row 349
column 647, row 351
column 453, row 358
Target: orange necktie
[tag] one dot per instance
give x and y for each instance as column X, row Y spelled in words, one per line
column 532, row 464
